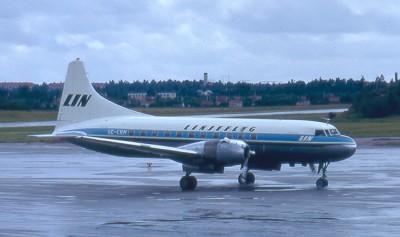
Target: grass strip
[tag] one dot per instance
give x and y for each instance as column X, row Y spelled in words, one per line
column 21, row 134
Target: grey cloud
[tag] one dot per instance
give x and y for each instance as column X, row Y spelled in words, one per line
column 248, row 40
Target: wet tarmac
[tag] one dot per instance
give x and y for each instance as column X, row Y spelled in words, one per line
column 63, row 190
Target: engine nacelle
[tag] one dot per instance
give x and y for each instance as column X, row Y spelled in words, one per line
column 226, row 152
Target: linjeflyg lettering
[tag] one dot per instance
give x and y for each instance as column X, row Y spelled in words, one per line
column 219, row 128
column 77, row 100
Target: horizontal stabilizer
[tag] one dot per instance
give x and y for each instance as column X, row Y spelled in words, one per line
column 60, row 135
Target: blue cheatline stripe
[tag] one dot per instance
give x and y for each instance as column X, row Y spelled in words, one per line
column 189, row 135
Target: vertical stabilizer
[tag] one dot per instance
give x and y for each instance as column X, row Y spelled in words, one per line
column 80, row 102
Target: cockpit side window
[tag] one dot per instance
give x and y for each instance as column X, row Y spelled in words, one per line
column 320, row 133
column 327, row 133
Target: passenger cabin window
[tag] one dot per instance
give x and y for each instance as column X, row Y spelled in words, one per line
column 216, row 135
column 328, row 133
column 179, row 134
column 203, row 135
column 320, row 133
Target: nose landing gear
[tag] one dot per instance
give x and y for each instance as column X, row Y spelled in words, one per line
column 323, row 181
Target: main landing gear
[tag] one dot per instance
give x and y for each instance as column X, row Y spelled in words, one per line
column 246, row 177
column 188, row 182
column 323, row 181
column 249, row 179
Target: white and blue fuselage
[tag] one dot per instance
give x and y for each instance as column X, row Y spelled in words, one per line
column 274, row 141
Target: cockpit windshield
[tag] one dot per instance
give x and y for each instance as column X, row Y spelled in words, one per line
column 327, row 132
column 334, row 132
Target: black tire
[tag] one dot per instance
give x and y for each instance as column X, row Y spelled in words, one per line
column 240, row 179
column 321, row 183
column 188, row 183
column 325, row 183
column 250, row 178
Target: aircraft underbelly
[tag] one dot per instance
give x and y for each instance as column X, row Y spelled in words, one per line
column 269, row 157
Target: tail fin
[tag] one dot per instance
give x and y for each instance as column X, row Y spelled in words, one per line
column 80, row 102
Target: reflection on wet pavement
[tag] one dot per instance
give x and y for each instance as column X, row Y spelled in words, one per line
column 61, row 190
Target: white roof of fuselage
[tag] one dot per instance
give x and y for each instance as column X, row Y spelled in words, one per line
column 180, row 123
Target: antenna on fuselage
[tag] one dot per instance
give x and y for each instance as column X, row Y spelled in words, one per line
column 326, row 119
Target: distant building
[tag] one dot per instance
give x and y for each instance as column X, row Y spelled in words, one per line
column 235, row 103
column 167, row 95
column 137, row 95
column 205, row 79
column 221, row 99
column 141, row 99
column 146, row 102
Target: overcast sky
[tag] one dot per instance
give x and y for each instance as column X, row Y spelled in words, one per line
column 236, row 40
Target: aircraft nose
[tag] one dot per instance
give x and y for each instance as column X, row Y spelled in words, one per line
column 351, row 147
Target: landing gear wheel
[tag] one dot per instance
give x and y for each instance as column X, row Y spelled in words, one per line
column 322, row 183
column 188, row 183
column 250, row 178
column 325, row 183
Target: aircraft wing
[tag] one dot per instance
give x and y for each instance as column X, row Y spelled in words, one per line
column 271, row 113
column 135, row 146
column 144, row 147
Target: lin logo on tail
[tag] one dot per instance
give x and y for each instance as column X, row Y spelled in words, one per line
column 77, row 100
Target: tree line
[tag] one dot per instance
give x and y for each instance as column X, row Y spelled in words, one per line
column 378, row 98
